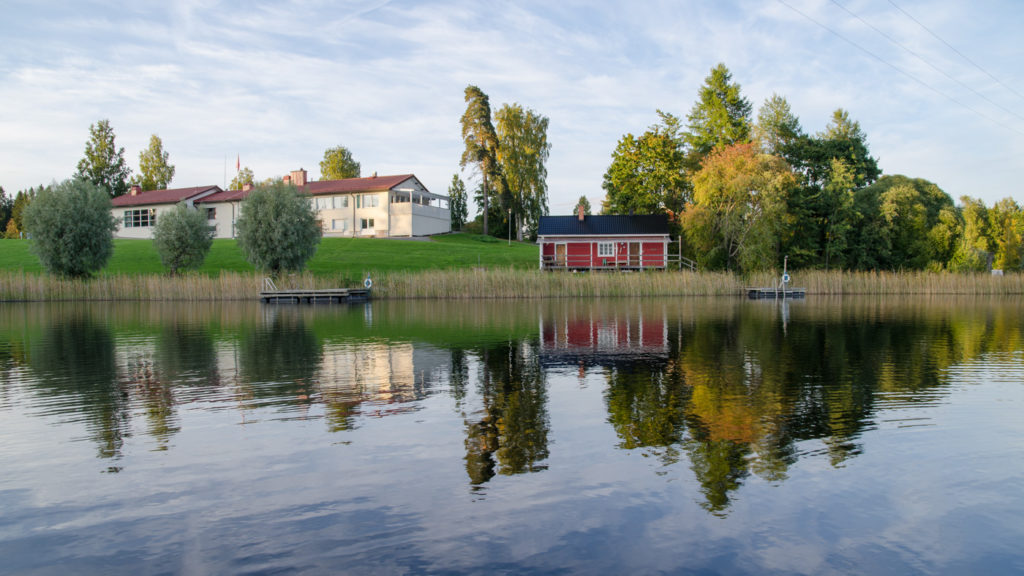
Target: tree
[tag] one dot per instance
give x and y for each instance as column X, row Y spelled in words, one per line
column 647, row 174
column 104, row 163
column 583, row 201
column 6, row 205
column 840, row 217
column 244, row 176
column 777, row 127
column 1005, row 220
column 71, row 227
column 523, row 151
column 21, row 201
column 739, row 199
column 154, row 171
column 182, row 237
column 719, row 118
column 11, row 232
column 277, row 229
column 481, row 150
column 457, row 202
column 974, row 246
column 338, row 164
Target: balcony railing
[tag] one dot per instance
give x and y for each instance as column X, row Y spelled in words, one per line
column 634, row 262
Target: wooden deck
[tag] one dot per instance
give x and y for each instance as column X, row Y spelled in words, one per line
column 775, row 293
column 329, row 296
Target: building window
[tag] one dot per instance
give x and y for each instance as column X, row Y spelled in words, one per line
column 341, row 202
column 139, row 218
column 339, row 225
column 367, row 223
column 605, row 249
column 211, row 213
column 370, row 201
column 323, row 203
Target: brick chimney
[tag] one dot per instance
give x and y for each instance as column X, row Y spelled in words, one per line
column 135, row 190
column 246, row 187
column 287, row 179
column 299, row 177
column 579, row 213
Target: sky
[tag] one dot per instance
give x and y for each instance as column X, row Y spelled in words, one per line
column 936, row 85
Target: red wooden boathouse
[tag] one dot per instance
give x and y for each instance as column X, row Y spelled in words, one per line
column 585, row 242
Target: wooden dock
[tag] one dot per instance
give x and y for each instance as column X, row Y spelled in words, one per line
column 775, row 293
column 328, row 296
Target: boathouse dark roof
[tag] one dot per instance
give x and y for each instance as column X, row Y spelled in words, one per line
column 602, row 225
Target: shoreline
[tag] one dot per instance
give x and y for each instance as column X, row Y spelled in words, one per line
column 501, row 283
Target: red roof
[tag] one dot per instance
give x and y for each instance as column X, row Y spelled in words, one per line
column 225, row 196
column 172, row 196
column 350, row 185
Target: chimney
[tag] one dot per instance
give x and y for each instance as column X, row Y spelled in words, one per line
column 246, row 187
column 299, row 177
column 374, row 175
column 579, row 213
column 135, row 190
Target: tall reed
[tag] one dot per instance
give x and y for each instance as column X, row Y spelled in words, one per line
column 506, row 283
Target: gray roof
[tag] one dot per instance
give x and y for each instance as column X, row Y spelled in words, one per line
column 602, row 225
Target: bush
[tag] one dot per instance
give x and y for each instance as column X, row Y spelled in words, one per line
column 71, row 228
column 278, row 229
column 182, row 238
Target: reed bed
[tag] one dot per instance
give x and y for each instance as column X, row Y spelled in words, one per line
column 504, row 283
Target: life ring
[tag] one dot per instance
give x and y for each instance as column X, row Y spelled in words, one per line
column 785, row 278
column 368, row 283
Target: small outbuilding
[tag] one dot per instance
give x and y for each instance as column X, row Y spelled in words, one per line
column 585, row 242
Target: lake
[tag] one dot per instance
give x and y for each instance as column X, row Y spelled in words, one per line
column 689, row 436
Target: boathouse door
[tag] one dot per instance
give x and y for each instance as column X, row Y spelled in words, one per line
column 634, row 254
column 560, row 255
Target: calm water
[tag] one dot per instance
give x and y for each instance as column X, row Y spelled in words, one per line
column 696, row 436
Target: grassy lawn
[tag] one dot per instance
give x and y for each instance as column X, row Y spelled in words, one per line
column 347, row 256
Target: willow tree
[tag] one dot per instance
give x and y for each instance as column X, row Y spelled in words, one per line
column 71, row 227
column 739, row 204
column 278, row 229
column 481, row 140
column 182, row 238
column 523, row 151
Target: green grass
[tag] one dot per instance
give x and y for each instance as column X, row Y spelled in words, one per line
column 347, row 257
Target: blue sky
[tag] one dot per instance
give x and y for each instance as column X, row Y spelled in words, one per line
column 277, row 83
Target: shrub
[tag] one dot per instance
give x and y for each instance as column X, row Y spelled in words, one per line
column 278, row 229
column 71, row 228
column 182, row 238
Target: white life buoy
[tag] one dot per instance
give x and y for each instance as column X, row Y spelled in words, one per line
column 368, row 283
column 785, row 278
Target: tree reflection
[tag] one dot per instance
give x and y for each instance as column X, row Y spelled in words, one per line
column 278, row 359
column 511, row 435
column 75, row 364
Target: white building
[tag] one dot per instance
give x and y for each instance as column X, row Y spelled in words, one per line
column 376, row 206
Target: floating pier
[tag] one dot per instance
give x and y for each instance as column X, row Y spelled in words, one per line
column 780, row 291
column 271, row 295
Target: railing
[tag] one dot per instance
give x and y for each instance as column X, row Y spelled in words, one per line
column 636, row 262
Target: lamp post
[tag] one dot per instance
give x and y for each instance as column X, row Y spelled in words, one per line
column 509, row 226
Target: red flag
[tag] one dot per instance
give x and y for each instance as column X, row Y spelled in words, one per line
column 238, row 163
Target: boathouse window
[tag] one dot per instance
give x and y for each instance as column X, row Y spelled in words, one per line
column 211, row 213
column 605, row 249
column 139, row 218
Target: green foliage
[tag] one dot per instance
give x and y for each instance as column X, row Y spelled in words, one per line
column 21, row 202
column 71, row 227
column 457, row 202
column 719, row 118
column 155, row 173
column 583, row 201
column 647, row 174
column 11, row 232
column 739, row 203
column 338, row 164
column 523, row 150
column 244, row 176
column 481, row 148
column 104, row 163
column 182, row 237
column 278, row 229
column 777, row 127
column 1005, row 223
column 6, row 205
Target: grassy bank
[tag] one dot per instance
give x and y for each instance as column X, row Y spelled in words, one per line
column 506, row 283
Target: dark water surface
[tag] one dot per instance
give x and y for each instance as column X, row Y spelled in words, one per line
column 698, row 436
